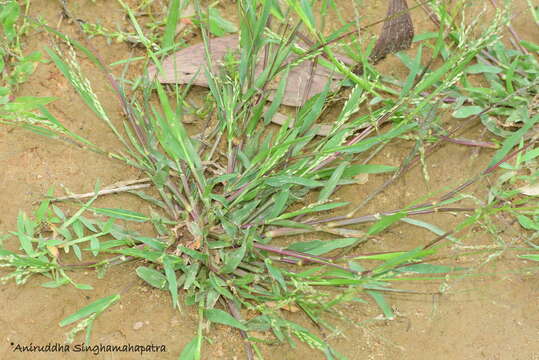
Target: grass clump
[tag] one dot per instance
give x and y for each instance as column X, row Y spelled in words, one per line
column 225, row 195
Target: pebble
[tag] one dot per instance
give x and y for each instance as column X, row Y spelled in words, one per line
column 138, row 325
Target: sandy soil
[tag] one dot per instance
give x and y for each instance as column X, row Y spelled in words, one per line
column 488, row 317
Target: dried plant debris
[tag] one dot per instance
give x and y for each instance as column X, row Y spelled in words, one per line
column 306, row 77
column 397, row 32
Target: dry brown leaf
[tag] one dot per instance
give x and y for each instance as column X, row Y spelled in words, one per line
column 530, row 190
column 361, row 178
column 54, row 251
column 182, row 66
column 304, row 80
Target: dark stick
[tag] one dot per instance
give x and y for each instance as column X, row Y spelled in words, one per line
column 236, row 314
column 397, row 33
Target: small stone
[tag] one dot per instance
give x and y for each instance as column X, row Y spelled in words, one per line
column 138, row 325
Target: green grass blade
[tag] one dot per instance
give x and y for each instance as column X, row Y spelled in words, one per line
column 173, row 17
column 331, row 184
column 221, row 317
column 191, row 351
column 96, row 307
column 121, row 214
column 382, row 303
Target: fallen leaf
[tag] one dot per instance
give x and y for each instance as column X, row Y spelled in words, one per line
column 182, row 66
column 530, row 190
column 54, row 251
column 361, row 178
